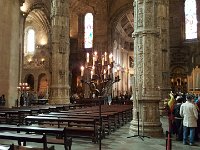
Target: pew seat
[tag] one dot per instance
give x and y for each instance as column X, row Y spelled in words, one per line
column 25, row 138
column 62, row 132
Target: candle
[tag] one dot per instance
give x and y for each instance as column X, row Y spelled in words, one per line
column 88, row 57
column 105, row 56
column 108, row 69
column 93, row 58
column 117, row 71
column 82, row 69
column 91, row 74
column 93, row 69
column 102, row 61
column 104, row 72
column 110, row 58
column 95, row 55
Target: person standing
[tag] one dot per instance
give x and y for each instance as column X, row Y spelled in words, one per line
column 190, row 115
column 178, row 120
column 3, row 100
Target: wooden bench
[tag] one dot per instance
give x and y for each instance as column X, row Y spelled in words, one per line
column 17, row 147
column 25, row 138
column 62, row 132
column 107, row 120
column 4, row 147
column 76, row 127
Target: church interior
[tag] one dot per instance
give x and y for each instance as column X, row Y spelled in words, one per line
column 99, row 56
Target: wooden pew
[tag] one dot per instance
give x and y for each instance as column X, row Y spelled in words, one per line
column 4, row 147
column 62, row 132
column 25, row 138
column 108, row 122
column 90, row 131
column 17, row 147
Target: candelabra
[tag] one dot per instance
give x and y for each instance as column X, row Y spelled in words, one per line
column 23, row 88
column 102, row 76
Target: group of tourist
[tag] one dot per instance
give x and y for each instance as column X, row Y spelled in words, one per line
column 185, row 120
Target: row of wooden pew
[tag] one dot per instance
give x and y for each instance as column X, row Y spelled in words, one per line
column 16, row 115
column 85, row 122
column 65, row 122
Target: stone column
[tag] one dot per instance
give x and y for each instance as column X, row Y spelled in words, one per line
column 148, row 69
column 9, row 49
column 59, row 89
column 163, row 25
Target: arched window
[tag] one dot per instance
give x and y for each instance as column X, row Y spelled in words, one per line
column 29, row 44
column 88, row 36
column 190, row 19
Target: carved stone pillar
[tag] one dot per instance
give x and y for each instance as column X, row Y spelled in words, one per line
column 9, row 49
column 163, row 25
column 148, row 68
column 59, row 89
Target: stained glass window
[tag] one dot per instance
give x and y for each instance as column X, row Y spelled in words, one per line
column 190, row 19
column 30, row 41
column 88, row 37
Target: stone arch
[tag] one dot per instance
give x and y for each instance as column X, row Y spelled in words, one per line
column 120, row 13
column 41, row 6
column 29, row 78
column 179, row 79
column 42, row 85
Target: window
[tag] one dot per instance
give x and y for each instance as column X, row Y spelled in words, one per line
column 190, row 19
column 88, row 36
column 29, row 41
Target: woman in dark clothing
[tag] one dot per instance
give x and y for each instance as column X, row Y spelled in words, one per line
column 21, row 101
column 178, row 120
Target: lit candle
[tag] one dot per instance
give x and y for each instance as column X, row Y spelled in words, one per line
column 93, row 58
column 93, row 69
column 110, row 58
column 82, row 69
column 108, row 69
column 117, row 71
column 88, row 57
column 104, row 72
column 102, row 61
column 91, row 74
column 105, row 56
column 95, row 55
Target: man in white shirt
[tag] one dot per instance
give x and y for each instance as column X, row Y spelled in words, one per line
column 190, row 115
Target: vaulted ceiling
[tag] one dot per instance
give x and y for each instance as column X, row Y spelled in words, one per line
column 125, row 26
column 38, row 12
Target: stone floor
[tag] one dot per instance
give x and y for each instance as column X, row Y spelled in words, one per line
column 118, row 141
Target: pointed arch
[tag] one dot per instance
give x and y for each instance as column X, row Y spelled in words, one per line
column 29, row 41
column 88, row 30
column 190, row 19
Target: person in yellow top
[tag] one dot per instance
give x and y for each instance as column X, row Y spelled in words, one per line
column 171, row 102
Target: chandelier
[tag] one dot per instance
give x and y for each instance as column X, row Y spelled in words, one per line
column 101, row 71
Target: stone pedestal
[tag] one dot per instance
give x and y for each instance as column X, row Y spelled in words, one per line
column 149, row 118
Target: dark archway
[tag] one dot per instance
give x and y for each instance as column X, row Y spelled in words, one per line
column 30, row 81
column 42, row 86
